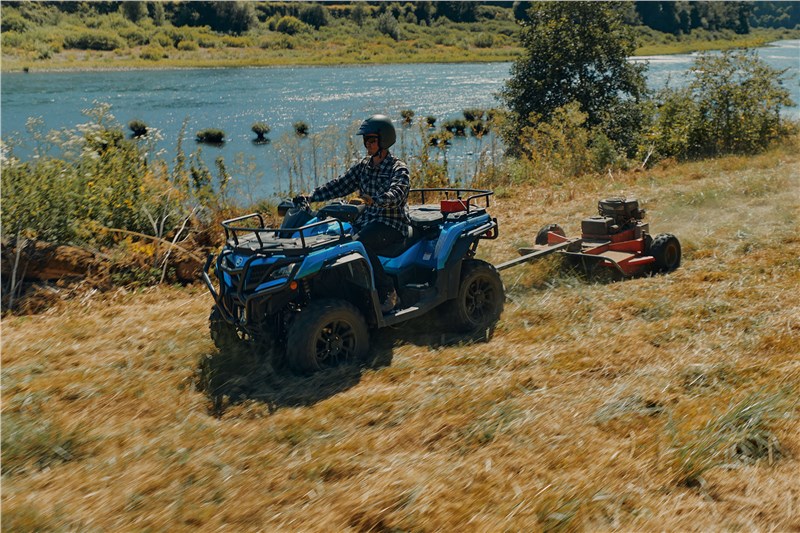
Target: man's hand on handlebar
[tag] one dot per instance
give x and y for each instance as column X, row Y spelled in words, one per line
column 300, row 200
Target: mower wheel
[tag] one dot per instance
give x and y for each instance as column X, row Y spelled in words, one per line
column 666, row 250
column 224, row 335
column 480, row 298
column 541, row 237
column 326, row 333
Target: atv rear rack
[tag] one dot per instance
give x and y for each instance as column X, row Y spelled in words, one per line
column 458, row 203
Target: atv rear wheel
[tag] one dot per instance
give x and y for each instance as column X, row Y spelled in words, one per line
column 480, row 298
column 541, row 236
column 223, row 334
column 326, row 333
column 666, row 250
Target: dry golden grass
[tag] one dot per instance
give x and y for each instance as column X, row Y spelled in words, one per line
column 663, row 403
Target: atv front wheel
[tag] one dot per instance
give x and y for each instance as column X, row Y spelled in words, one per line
column 326, row 333
column 223, row 334
column 666, row 250
column 480, row 297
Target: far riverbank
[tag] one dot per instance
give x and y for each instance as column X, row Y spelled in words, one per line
column 331, row 54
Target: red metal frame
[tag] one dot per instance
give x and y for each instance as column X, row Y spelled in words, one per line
column 621, row 251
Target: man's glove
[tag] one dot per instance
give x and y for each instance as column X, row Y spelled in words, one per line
column 300, row 199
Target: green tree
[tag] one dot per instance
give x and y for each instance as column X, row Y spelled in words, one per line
column 574, row 51
column 134, row 11
column 157, row 13
column 388, row 25
column 315, row 15
column 359, row 13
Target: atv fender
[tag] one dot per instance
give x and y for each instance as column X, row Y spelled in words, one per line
column 366, row 280
column 316, row 261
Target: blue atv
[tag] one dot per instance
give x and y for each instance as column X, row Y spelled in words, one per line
column 308, row 288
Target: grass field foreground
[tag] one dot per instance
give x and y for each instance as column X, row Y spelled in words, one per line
column 660, row 403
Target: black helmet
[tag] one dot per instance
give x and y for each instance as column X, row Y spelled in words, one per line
column 382, row 126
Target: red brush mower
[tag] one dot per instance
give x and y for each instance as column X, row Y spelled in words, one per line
column 615, row 239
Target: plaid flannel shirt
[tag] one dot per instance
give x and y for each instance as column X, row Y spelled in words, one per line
column 387, row 184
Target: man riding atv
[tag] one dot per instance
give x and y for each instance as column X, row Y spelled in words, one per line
column 382, row 183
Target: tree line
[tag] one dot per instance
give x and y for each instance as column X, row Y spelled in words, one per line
column 239, row 17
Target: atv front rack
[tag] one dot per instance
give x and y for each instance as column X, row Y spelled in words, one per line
column 262, row 238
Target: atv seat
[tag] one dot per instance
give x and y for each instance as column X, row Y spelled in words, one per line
column 425, row 223
column 398, row 248
column 425, row 217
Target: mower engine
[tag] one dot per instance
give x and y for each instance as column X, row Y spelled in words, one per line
column 615, row 215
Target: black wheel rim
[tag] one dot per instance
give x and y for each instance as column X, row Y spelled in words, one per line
column 335, row 342
column 479, row 301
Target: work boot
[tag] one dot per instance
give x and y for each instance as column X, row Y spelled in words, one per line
column 389, row 302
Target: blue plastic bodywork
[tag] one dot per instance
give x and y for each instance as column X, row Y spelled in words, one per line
column 430, row 254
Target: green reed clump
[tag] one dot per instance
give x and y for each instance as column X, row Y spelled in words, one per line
column 81, row 182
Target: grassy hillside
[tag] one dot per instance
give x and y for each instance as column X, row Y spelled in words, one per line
column 662, row 403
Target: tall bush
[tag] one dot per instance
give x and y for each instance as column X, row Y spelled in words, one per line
column 289, row 25
column 94, row 40
column 731, row 105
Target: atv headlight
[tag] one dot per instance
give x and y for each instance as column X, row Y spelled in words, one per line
column 282, row 272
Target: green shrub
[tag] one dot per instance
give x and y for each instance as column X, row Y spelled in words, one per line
column 484, row 40
column 94, row 40
column 211, row 135
column 556, row 147
column 153, row 52
column 300, row 129
column 282, row 42
column 12, row 39
column 478, row 128
column 208, row 41
column 289, row 25
column 100, row 180
column 260, row 129
column 134, row 36
column 603, row 152
column 236, row 42
column 456, row 126
column 162, row 39
column 138, row 128
column 731, row 105
column 187, row 46
column 474, row 113
column 407, row 115
column 12, row 21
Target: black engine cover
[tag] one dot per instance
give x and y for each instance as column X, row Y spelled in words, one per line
column 598, row 226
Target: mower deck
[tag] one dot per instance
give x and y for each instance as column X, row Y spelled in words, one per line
column 617, row 239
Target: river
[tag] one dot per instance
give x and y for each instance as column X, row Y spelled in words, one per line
column 331, row 100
